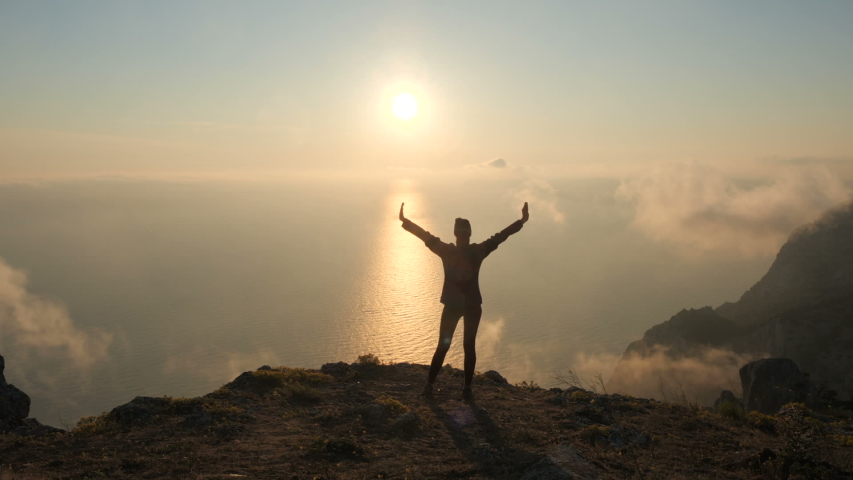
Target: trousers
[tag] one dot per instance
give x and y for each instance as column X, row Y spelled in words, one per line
column 449, row 319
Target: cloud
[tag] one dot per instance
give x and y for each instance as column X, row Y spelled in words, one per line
column 698, row 209
column 43, row 326
column 497, row 163
column 834, row 161
column 489, row 336
column 542, row 197
column 700, row 377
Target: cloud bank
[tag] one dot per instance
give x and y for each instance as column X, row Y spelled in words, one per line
column 542, row 198
column 696, row 208
column 42, row 325
column 700, row 377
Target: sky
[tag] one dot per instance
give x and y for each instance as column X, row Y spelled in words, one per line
column 157, row 87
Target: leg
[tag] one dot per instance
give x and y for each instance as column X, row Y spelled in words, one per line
column 449, row 319
column 472, row 323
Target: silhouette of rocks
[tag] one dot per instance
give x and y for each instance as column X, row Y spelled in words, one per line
column 14, row 404
column 770, row 383
column 814, row 267
column 685, row 331
column 338, row 369
column 31, row 427
column 495, row 377
column 139, row 410
column 727, row 396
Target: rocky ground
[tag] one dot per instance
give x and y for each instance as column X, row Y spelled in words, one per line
column 367, row 421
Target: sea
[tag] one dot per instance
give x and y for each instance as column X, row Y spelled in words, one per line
column 112, row 287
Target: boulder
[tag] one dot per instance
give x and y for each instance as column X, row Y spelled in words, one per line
column 14, row 404
column 495, row 377
column 727, row 396
column 770, row 383
column 31, row 427
column 338, row 369
column 139, row 410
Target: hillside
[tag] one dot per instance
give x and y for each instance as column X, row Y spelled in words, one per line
column 366, row 421
column 801, row 309
column 815, row 266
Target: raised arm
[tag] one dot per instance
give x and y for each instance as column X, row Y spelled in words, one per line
column 491, row 244
column 430, row 240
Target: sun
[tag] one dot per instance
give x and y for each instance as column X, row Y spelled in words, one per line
column 405, row 106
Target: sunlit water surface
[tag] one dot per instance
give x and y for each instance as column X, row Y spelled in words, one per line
column 199, row 281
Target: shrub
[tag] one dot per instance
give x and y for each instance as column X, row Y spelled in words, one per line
column 219, row 410
column 283, row 375
column 763, row 422
column 222, row 391
column 95, row 425
column 796, row 408
column 581, row 396
column 525, row 385
column 369, row 360
column 593, row 433
column 800, row 434
column 182, row 405
column 732, row 410
column 337, row 446
column 392, row 405
column 297, row 391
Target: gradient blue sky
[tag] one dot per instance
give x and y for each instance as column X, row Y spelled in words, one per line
column 158, row 86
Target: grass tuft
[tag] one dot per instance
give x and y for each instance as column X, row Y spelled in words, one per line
column 394, row 406
column 765, row 423
column 94, row 425
column 732, row 410
column 297, row 391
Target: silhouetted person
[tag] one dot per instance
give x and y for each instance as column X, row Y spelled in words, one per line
column 461, row 292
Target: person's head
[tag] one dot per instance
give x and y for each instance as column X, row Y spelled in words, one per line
column 462, row 228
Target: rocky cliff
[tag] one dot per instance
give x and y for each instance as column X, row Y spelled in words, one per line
column 813, row 268
column 801, row 309
column 14, row 404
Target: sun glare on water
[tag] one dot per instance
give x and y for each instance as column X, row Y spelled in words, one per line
column 405, row 106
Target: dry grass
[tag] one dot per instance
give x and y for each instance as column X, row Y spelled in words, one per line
column 263, row 433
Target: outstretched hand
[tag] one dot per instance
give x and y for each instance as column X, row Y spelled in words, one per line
column 524, row 215
column 402, row 217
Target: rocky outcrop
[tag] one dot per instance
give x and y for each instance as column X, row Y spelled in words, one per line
column 727, row 396
column 814, row 267
column 684, row 356
column 770, row 383
column 801, row 309
column 818, row 338
column 14, row 404
column 685, row 332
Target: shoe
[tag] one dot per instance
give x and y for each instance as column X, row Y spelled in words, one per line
column 467, row 393
column 427, row 391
